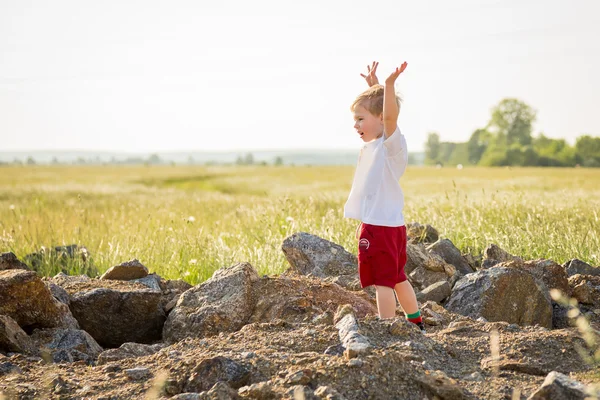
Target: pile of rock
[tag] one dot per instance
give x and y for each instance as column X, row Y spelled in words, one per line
column 129, row 313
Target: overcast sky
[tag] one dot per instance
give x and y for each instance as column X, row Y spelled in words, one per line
column 141, row 76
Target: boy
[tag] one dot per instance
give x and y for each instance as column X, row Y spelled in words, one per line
column 376, row 198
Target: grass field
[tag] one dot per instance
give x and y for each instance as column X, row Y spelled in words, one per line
column 185, row 222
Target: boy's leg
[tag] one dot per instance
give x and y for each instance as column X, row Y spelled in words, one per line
column 406, row 297
column 386, row 301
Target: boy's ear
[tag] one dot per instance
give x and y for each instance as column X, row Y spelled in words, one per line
column 381, row 117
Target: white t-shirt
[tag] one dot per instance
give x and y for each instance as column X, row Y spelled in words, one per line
column 376, row 197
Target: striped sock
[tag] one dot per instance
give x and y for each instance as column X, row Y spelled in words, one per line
column 415, row 318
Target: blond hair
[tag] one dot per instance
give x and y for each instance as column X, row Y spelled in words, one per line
column 372, row 100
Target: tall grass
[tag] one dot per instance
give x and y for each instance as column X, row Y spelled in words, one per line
column 185, row 222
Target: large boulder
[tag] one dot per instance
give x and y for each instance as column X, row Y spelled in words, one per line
column 301, row 299
column 27, row 300
column 502, row 294
column 66, row 345
column 115, row 312
column 224, row 303
column 548, row 273
column 311, row 255
column 451, row 255
column 10, row 261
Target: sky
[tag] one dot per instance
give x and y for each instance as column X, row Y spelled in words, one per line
column 157, row 76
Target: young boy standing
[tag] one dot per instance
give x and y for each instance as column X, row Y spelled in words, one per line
column 376, row 198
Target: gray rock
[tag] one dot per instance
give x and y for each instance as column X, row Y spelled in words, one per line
column 438, row 385
column 212, row 370
column 9, row 368
column 260, row 390
column 13, row 338
column 502, row 294
column 301, row 392
column 126, row 271
column 10, row 261
column 450, row 254
column 58, row 292
column 177, row 285
column 138, row 373
column 560, row 318
column 418, row 233
column 224, row 303
column 354, row 343
column 25, row 298
column 116, row 316
column 62, row 279
column 128, row 350
column 335, row 350
column 559, row 386
column 437, row 292
column 311, row 255
column 187, row 396
column 422, row 277
column 329, row 393
column 547, row 272
column 418, row 256
column 493, row 255
column 67, row 345
column 575, row 266
column 152, row 281
column 585, row 289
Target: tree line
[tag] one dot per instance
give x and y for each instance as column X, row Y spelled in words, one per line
column 507, row 140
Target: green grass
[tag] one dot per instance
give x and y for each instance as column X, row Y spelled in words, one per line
column 245, row 213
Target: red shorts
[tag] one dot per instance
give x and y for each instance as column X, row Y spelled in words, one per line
column 381, row 255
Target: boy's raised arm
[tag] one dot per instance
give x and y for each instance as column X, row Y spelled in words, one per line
column 390, row 106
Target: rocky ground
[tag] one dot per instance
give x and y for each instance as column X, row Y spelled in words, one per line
column 308, row 334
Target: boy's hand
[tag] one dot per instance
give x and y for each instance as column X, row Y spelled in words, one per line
column 392, row 78
column 370, row 77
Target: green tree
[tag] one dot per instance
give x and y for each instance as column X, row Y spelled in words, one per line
column 432, row 148
column 512, row 121
column 588, row 148
column 477, row 144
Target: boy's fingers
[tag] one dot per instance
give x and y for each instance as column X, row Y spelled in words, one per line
column 368, row 68
column 364, row 76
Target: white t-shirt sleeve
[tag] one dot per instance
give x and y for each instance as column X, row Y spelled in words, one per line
column 396, row 152
column 395, row 144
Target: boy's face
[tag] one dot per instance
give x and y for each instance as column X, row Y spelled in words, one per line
column 368, row 126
